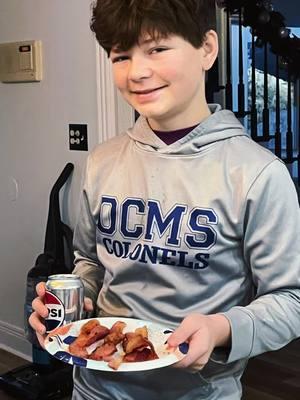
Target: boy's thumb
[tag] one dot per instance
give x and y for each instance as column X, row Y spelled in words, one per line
column 183, row 333
column 179, row 336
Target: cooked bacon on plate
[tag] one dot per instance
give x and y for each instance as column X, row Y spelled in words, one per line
column 99, row 343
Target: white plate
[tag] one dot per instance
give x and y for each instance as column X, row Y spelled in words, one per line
column 57, row 343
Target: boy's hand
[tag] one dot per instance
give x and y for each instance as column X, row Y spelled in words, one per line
column 36, row 319
column 40, row 312
column 203, row 333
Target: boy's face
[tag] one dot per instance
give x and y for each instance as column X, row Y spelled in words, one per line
column 164, row 80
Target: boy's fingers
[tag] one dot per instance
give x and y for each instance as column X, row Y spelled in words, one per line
column 36, row 323
column 88, row 304
column 41, row 339
column 40, row 311
column 195, row 358
column 39, row 307
column 40, row 289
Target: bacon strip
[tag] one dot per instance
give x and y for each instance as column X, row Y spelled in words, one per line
column 107, row 349
column 89, row 333
column 116, row 334
column 97, row 333
column 138, row 355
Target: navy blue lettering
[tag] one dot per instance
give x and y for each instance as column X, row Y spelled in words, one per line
column 166, row 257
column 128, row 205
column 203, row 260
column 206, row 232
column 110, row 215
column 126, row 249
column 134, row 255
column 118, row 249
column 107, row 242
column 134, row 221
column 182, row 259
column 149, row 253
column 171, row 221
column 152, row 254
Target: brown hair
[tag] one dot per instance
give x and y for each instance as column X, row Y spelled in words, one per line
column 121, row 22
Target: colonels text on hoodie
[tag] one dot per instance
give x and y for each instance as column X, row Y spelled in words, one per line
column 141, row 223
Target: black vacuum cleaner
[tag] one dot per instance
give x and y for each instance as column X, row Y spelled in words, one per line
column 45, row 378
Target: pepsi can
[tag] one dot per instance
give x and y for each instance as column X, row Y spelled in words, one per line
column 64, row 300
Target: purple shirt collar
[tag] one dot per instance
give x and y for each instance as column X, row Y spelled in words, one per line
column 169, row 137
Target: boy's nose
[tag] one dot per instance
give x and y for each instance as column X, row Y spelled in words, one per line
column 139, row 69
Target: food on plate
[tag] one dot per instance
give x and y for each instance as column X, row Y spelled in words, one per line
column 97, row 342
column 90, row 332
column 103, row 352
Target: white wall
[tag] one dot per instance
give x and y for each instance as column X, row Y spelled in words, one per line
column 34, row 120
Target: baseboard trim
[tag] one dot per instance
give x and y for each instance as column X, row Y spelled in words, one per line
column 12, row 339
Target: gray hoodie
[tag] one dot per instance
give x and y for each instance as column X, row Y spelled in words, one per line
column 208, row 224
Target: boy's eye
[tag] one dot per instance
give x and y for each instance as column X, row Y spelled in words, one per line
column 119, row 59
column 158, row 50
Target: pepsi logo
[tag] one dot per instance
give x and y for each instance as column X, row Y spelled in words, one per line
column 56, row 310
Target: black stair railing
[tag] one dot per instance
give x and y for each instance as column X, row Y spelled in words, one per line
column 253, row 92
column 278, row 149
column 270, row 34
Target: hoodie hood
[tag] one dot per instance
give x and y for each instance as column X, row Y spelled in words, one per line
column 220, row 125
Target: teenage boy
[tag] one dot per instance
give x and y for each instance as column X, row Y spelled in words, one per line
column 184, row 220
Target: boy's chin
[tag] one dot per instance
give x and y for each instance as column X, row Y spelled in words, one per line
column 149, row 114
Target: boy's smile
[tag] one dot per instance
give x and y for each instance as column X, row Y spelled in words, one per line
column 163, row 80
column 147, row 95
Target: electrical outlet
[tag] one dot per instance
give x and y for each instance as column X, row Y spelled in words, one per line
column 78, row 139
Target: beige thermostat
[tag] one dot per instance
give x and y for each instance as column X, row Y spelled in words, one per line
column 21, row 61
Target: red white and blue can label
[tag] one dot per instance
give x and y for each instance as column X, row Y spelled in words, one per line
column 56, row 310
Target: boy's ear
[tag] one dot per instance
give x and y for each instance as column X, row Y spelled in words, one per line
column 210, row 49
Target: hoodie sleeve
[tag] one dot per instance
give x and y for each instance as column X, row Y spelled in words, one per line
column 87, row 264
column 271, row 250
